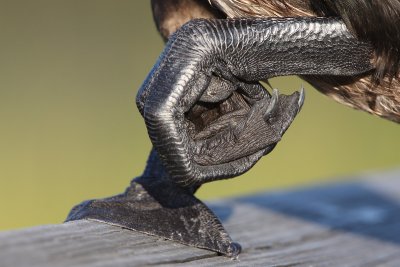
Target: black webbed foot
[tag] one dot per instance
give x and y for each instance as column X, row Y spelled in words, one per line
column 152, row 204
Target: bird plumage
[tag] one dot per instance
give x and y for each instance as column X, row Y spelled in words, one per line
column 377, row 22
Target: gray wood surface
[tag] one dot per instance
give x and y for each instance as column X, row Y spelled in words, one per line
column 350, row 224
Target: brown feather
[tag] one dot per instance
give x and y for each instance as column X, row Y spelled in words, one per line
column 264, row 8
column 169, row 15
column 364, row 93
column 377, row 93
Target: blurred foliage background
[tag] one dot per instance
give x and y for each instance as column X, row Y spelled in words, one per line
column 70, row 130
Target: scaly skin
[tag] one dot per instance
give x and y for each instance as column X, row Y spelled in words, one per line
column 209, row 118
column 240, row 53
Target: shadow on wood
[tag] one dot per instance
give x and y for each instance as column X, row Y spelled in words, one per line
column 357, row 207
column 350, row 224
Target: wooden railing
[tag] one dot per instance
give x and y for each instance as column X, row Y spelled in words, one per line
column 355, row 223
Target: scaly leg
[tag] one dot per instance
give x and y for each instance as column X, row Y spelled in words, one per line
column 209, row 118
column 235, row 55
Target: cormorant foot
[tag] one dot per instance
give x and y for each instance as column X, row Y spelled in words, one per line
column 154, row 205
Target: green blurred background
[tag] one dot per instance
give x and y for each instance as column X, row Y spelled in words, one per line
column 70, row 130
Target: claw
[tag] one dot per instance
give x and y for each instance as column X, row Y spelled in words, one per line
column 301, row 97
column 268, row 83
column 272, row 103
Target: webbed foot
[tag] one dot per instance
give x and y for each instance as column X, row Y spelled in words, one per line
column 154, row 205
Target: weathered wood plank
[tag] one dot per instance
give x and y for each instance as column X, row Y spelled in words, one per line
column 351, row 224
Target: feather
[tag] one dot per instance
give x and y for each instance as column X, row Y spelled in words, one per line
column 375, row 21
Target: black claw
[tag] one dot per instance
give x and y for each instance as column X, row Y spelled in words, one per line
column 272, row 104
column 235, row 249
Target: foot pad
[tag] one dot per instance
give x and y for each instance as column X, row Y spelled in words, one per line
column 158, row 207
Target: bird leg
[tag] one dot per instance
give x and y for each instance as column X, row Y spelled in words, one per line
column 233, row 55
column 209, row 118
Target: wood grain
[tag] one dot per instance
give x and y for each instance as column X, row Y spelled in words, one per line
column 350, row 224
